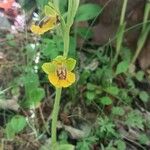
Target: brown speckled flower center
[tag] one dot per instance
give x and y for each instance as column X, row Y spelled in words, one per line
column 61, row 73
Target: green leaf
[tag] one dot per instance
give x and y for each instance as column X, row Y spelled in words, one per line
column 12, row 43
column 16, row 124
column 9, row 132
column 86, row 143
column 49, row 48
column 91, row 86
column 62, row 6
column 84, row 76
column 34, row 97
column 118, row 111
column 130, row 83
column 85, row 32
column 122, row 67
column 48, row 68
column 126, row 54
column 139, row 75
column 106, row 126
column 66, row 147
column 144, row 96
column 87, row 12
column 107, row 77
column 59, row 43
column 30, row 81
column 42, row 3
column 106, row 100
column 134, row 119
column 70, row 62
column 144, row 139
column 120, row 145
column 113, row 90
column 90, row 95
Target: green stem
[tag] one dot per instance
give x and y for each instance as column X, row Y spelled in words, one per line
column 121, row 30
column 141, row 43
column 123, row 12
column 119, row 39
column 144, row 33
column 146, row 15
column 72, row 9
column 55, row 116
column 66, row 38
column 67, row 30
column 56, row 3
column 66, row 41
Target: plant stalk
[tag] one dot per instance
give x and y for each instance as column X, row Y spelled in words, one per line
column 146, row 15
column 141, row 43
column 121, row 30
column 66, row 41
column 55, row 116
column 56, row 3
column 123, row 12
column 72, row 8
column 144, row 33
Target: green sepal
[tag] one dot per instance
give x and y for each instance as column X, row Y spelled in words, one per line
column 70, row 63
column 60, row 58
column 49, row 67
column 49, row 11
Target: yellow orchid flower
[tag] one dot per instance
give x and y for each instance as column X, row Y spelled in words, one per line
column 59, row 71
column 49, row 22
column 45, row 25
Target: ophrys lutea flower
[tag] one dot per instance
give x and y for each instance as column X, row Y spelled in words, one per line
column 60, row 71
column 49, row 22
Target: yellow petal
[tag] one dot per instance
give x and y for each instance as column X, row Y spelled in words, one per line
column 70, row 77
column 64, row 83
column 36, row 29
column 50, row 23
column 68, row 81
column 53, row 79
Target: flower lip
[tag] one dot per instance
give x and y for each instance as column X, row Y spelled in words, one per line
column 61, row 73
